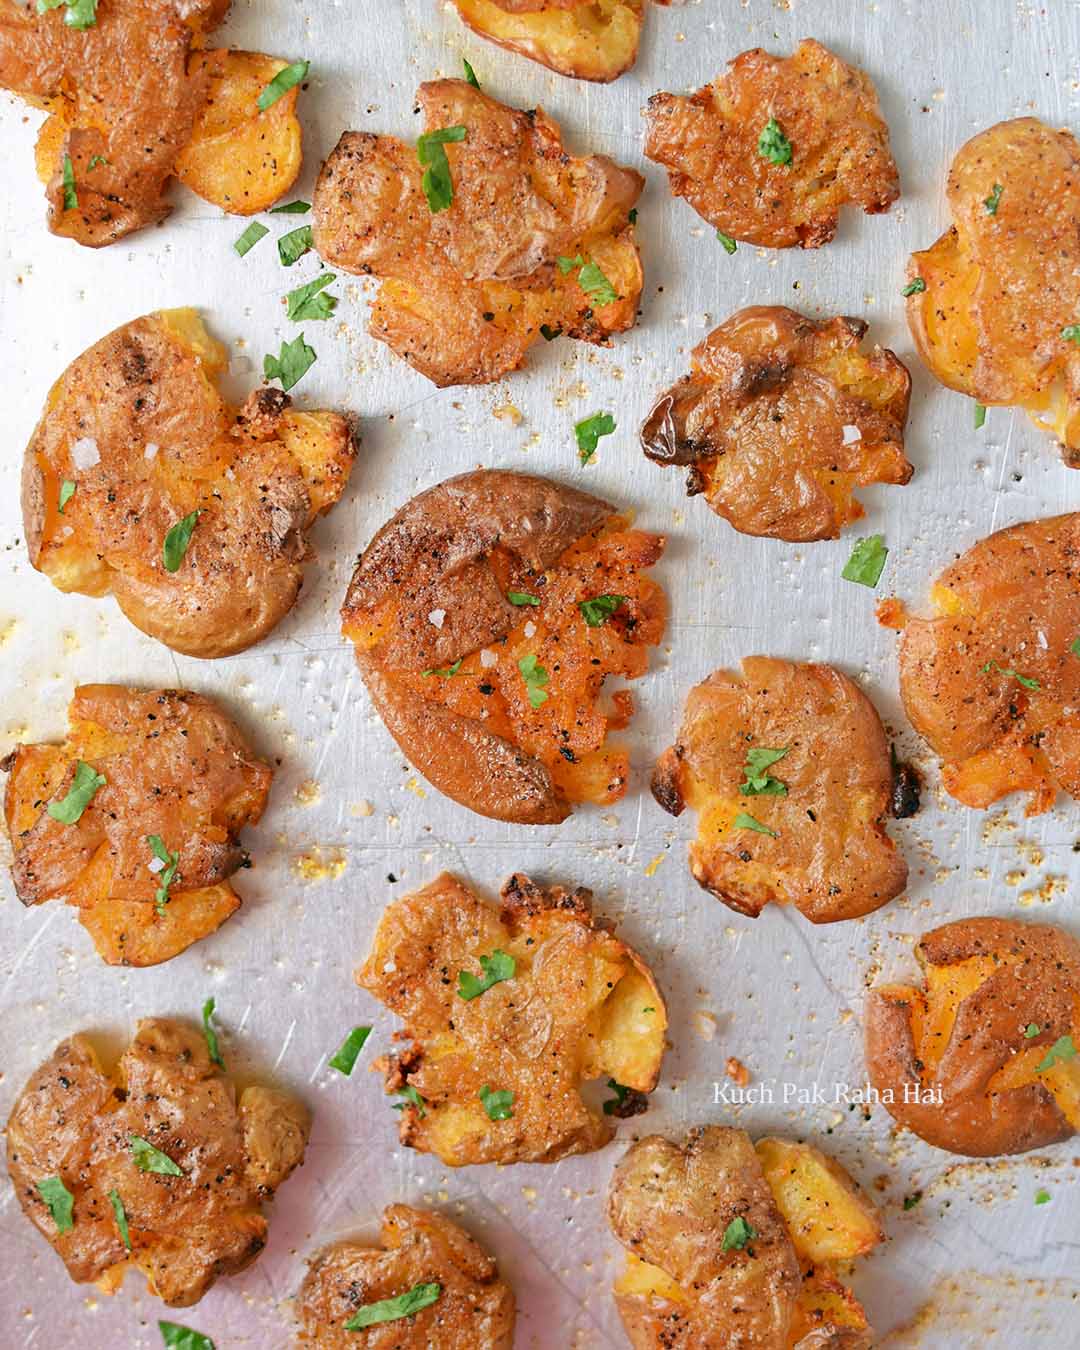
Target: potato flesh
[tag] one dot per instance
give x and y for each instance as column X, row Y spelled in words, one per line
column 595, row 40
column 829, row 1220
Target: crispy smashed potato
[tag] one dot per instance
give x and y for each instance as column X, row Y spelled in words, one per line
column 572, row 1003
column 175, row 767
column 826, row 112
column 780, row 418
column 132, row 101
column 806, row 828
column 993, row 681
column 993, row 302
column 466, row 290
column 731, row 1245
column 134, row 438
column 475, row 1308
column 586, row 39
column 982, row 1060
column 497, row 700
column 75, row 1122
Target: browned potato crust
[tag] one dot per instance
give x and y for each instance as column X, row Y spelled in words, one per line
column 137, row 424
column 780, row 418
column 127, row 106
column 830, row 856
column 960, row 1061
column 712, row 1264
column 475, row 1308
column 828, row 110
column 1001, row 288
column 580, row 1005
column 175, row 766
column 75, row 1121
column 465, row 291
column 993, row 681
column 440, row 645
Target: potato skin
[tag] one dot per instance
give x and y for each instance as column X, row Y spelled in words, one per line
column 466, row 291
column 762, row 422
column 1032, row 976
column 829, row 111
column 144, row 398
column 1001, row 286
column 1009, row 607
column 585, row 39
column 176, row 766
column 570, row 1012
column 455, row 551
column 475, row 1307
column 74, row 1121
column 832, row 858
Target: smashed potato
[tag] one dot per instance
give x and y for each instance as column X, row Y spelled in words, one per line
column 508, row 1013
column 132, row 101
column 994, row 304
column 769, row 152
column 993, row 680
column 486, row 616
column 780, row 418
column 136, row 446
column 982, row 1060
column 731, row 1244
column 173, row 768
column 474, row 1307
column 192, row 1209
column 532, row 239
column 789, row 771
column 586, row 39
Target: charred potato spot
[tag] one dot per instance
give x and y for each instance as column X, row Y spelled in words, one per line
column 822, row 844
column 963, row 1061
column 132, row 101
column 780, row 418
column 992, row 682
column 440, row 645
column 720, row 1235
column 138, row 425
column 174, row 766
column 465, row 291
column 475, row 1307
column 580, row 1005
column 1000, row 287
column 74, row 1120
column 829, row 112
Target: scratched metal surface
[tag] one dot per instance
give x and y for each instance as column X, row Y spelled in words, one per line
column 975, row 1261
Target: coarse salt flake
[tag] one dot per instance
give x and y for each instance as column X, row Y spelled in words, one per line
column 436, row 618
column 488, row 658
column 851, row 434
column 530, row 628
column 156, row 866
column 84, row 453
column 151, row 450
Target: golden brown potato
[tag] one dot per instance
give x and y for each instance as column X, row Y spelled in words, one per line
column 466, row 290
column 725, row 1249
column 137, row 427
column 982, row 1061
column 75, row 1122
column 780, row 418
column 572, row 1003
column 994, row 304
column 830, row 146
column 496, row 700
column 175, row 768
column 132, row 101
column 474, row 1308
column 802, row 827
column 586, row 39
column 993, row 681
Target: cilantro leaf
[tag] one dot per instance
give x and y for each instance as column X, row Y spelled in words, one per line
column 121, row 1217
column 176, row 1337
column 282, row 82
column 291, row 247
column 910, row 1201
column 589, row 431
column 437, row 184
column 729, row 244
column 915, row 287
column 535, row 677
column 80, row 14
column 71, row 196
column 600, row 608
column 1042, row 1197
column 391, row 1309
column 613, row 1103
column 306, row 302
column 744, row 822
column 445, row 672
column 772, row 144
column 94, row 161
column 250, row 238
column 596, row 286
column 147, row 1158
column 498, row 1105
column 67, row 491
column 1060, row 1052
column 980, row 415
column 867, row 561
column 1074, row 646
column 344, row 1060
column 175, row 544
column 567, row 265
column 59, row 1202
column 994, row 200
column 737, row 1234
column 470, row 74
column 291, row 364
column 296, row 208
column 411, row 1095
column 1071, row 333
column 1031, row 1031
column 68, row 810
column 1025, row 680
column 166, row 874
column 522, row 598
column 497, row 967
column 759, row 782
column 210, row 1034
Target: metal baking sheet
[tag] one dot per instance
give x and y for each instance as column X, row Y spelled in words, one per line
column 350, row 825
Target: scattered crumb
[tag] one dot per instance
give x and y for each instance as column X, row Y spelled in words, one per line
column 317, row 864
column 737, row 1071
column 308, row 793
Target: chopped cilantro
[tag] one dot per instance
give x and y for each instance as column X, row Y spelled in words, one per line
column 344, row 1059
column 867, row 561
column 729, row 244
column 306, row 302
column 1042, row 1197
column 980, row 415
column 621, row 1094
column 497, row 967
column 166, row 874
column 68, row 810
column 176, row 542
column 470, row 74
column 250, row 238
column 498, row 1105
column 744, row 822
column 772, row 144
column 121, row 1217
column 296, row 208
column 737, row 1234
column 600, row 608
column 535, row 677
column 147, row 1158
column 391, row 1309
column 522, row 598
column 445, row 672
column 67, row 491
column 589, row 431
column 994, row 200
column 291, row 247
column 291, row 364
column 71, row 196
column 1031, row 1031
column 759, row 782
column 210, row 1034
column 282, row 82
column 1060, row 1052
column 1025, row 680
column 915, row 287
column 177, row 1337
column 437, row 184
column 59, row 1201
column 411, row 1095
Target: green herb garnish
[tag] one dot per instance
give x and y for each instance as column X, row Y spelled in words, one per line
column 67, row 491
column 306, row 302
column 1025, row 680
column 445, row 672
column 411, row 1095
column 980, row 415
column 867, row 561
column 437, row 184
column 291, row 364
column 772, row 144
column 1071, row 333
column 915, row 287
column 613, row 1103
column 1060, row 1052
column 522, row 598
column 910, row 1201
column 121, row 1217
column 391, row 1309
column 1042, row 1197
column 596, row 285
column 59, row 1201
column 209, row 1032
column 470, row 74
column 291, row 247
column 759, row 782
column 498, row 1105
column 68, row 810
column 1074, row 646
column 994, row 200
column 344, row 1059
column 94, row 161
column 177, row 1337
column 729, row 244
column 744, row 822
column 589, row 431
column 71, row 196
column 497, row 967
column 250, row 238
column 166, row 874
column 297, row 208
column 176, row 542
column 737, row 1234
column 80, row 13
column 282, row 82
column 600, row 608
column 535, row 677
column 1031, row 1031
column 150, row 1159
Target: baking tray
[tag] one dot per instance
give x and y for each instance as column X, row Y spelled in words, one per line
column 350, row 824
